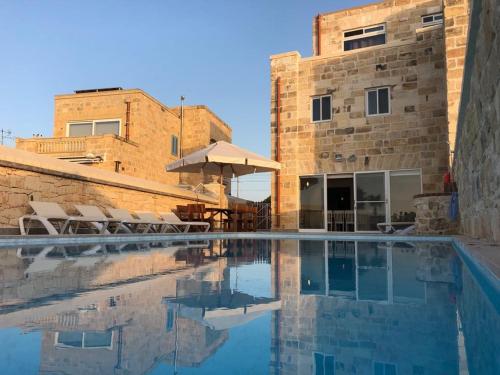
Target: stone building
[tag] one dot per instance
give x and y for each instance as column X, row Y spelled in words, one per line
column 128, row 131
column 361, row 126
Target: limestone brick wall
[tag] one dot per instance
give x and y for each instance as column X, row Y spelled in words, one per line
column 413, row 136
column 401, row 18
column 201, row 127
column 477, row 156
column 456, row 22
column 25, row 176
column 152, row 125
column 432, row 215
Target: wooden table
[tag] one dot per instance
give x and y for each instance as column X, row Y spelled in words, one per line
column 214, row 211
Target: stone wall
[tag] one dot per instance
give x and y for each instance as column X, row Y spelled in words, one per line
column 413, row 136
column 26, row 176
column 432, row 215
column 477, row 156
column 456, row 22
column 152, row 125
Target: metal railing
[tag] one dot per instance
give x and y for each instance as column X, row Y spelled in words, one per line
column 263, row 215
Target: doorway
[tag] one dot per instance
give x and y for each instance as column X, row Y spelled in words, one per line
column 340, row 203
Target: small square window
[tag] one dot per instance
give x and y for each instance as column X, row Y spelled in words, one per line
column 322, row 108
column 378, row 101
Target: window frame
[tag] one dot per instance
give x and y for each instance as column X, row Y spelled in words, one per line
column 364, row 34
column 94, row 122
column 367, row 113
column 172, row 138
column 60, row 345
column 434, row 20
column 320, row 97
column 324, row 355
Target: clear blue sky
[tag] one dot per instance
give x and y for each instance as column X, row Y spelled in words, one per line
column 214, row 52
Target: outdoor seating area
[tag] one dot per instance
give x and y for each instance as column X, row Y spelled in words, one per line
column 240, row 218
column 50, row 217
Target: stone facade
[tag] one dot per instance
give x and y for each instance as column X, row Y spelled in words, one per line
column 26, row 176
column 477, row 155
column 456, row 23
column 432, row 215
column 413, row 136
column 144, row 148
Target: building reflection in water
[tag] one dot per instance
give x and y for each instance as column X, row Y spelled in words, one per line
column 128, row 308
column 336, row 307
column 366, row 308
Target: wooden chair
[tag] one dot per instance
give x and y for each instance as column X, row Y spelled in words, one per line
column 182, row 213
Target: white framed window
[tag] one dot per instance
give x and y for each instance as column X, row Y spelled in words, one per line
column 321, row 108
column 378, row 101
column 174, row 145
column 93, row 127
column 364, row 37
column 84, row 340
column 432, row 19
column 324, row 364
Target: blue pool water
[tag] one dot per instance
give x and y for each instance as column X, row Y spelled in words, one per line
column 248, row 306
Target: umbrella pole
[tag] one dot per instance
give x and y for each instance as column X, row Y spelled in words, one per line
column 221, row 186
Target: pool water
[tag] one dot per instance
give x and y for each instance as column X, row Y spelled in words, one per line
column 245, row 307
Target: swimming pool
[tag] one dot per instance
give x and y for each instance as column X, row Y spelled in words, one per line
column 246, row 305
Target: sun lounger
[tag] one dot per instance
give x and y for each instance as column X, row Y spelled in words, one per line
column 129, row 221
column 400, row 228
column 94, row 211
column 172, row 219
column 55, row 220
column 160, row 226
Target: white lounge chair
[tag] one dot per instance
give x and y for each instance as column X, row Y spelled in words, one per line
column 55, row 220
column 171, row 219
column 129, row 221
column 400, row 228
column 94, row 211
column 159, row 226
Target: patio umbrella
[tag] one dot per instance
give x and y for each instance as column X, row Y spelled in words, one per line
column 225, row 160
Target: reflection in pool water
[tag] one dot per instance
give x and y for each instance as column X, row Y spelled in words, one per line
column 244, row 306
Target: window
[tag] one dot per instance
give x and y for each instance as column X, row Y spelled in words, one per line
column 432, row 19
column 378, row 101
column 84, row 340
column 324, row 364
column 384, row 369
column 364, row 37
column 322, row 108
column 170, row 319
column 174, row 145
column 96, row 127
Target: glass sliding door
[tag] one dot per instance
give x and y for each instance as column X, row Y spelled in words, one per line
column 404, row 185
column 370, row 200
column 312, row 203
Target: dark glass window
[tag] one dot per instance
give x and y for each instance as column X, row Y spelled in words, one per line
column 377, row 101
column 353, row 33
column 372, row 102
column 175, row 145
column 316, row 109
column 368, row 41
column 432, row 19
column 326, row 108
column 383, row 100
column 322, row 108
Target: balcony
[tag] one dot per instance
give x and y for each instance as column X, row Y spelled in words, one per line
column 81, row 150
